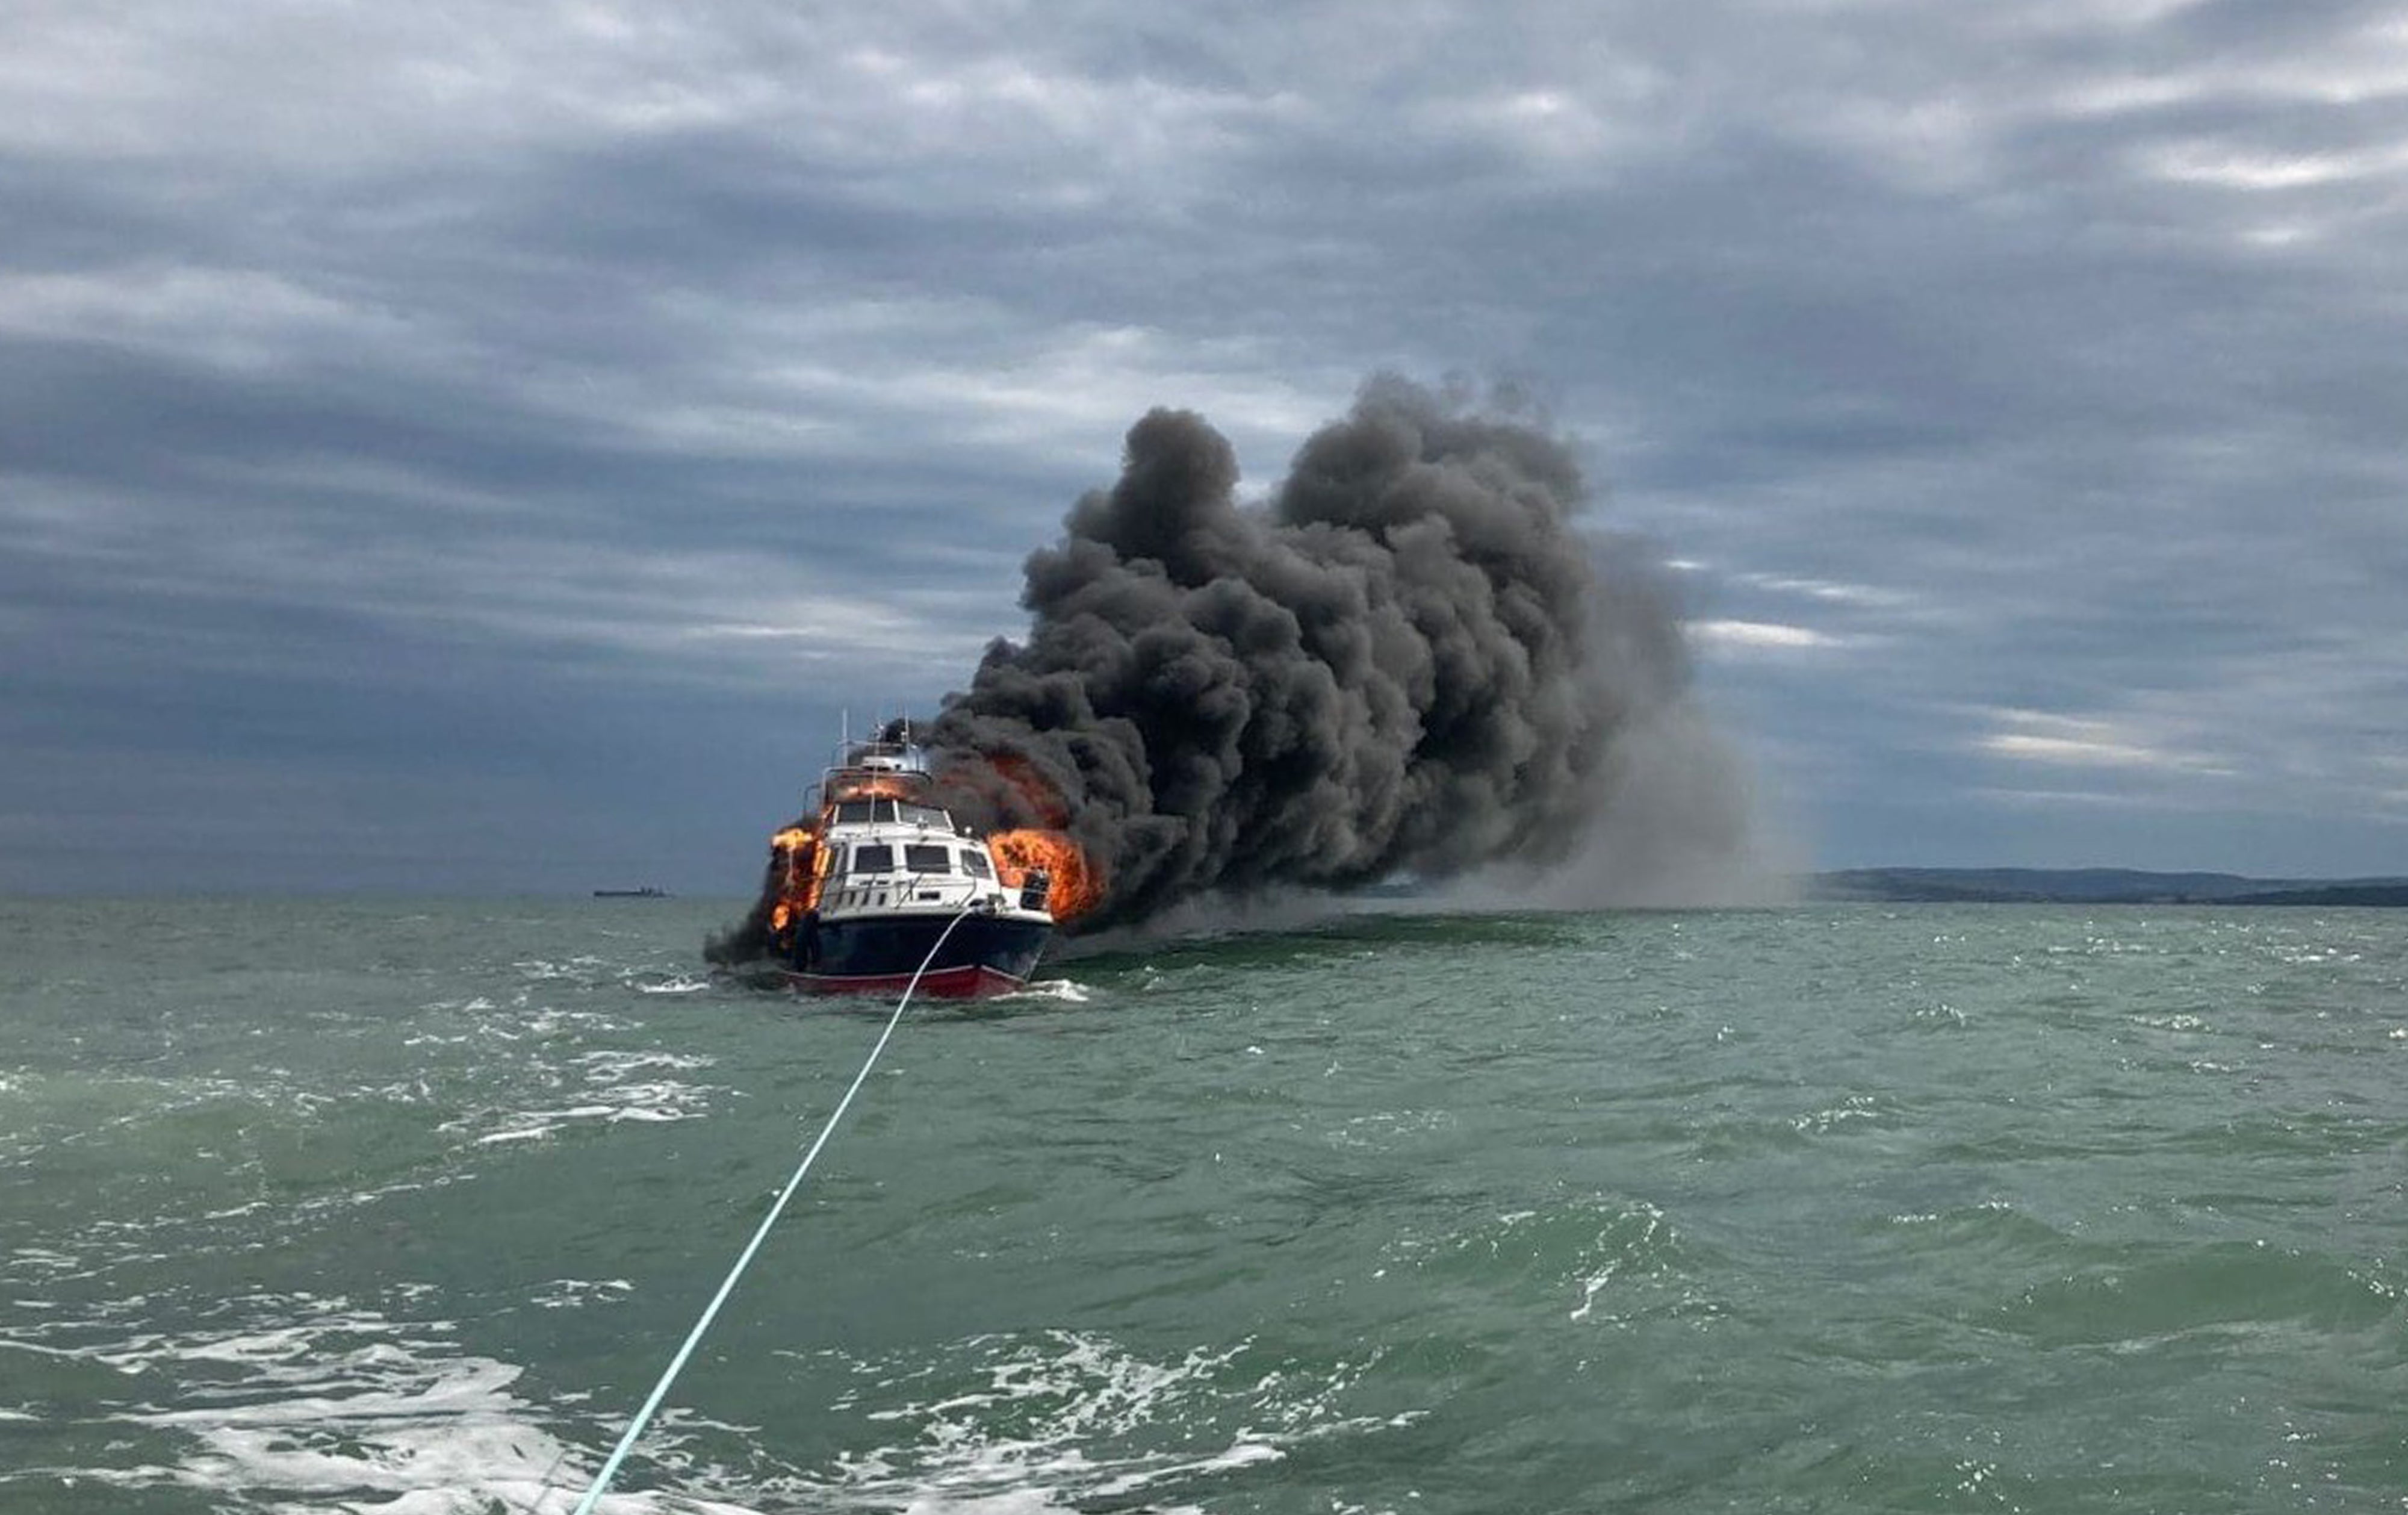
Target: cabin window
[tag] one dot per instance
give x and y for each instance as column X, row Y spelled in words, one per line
column 852, row 811
column 975, row 861
column 873, row 858
column 924, row 815
column 928, row 858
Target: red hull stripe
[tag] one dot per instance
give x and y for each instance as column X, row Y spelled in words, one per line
column 970, row 980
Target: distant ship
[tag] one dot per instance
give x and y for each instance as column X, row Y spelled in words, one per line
column 882, row 880
column 647, row 892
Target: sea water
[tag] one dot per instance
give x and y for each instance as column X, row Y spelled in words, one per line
column 404, row 1206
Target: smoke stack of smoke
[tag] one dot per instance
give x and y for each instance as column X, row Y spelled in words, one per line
column 1387, row 670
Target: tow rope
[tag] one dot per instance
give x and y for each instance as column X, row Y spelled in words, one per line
column 711, row 1312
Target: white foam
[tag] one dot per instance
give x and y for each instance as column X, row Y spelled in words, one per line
column 314, row 1405
column 1062, row 1420
column 608, row 1064
column 613, row 1095
column 343, row 1410
column 562, row 1293
column 1640, row 1250
column 1067, row 991
column 1822, row 1122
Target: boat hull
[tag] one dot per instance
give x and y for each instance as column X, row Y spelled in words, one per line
column 878, row 955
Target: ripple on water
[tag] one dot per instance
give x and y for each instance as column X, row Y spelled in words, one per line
column 1596, row 1258
column 2156, row 1294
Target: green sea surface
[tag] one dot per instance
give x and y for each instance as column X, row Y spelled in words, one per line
column 401, row 1207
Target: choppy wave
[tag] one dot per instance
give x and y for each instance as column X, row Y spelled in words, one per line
column 317, row 1405
column 311, row 1404
column 617, row 1086
column 401, row 1211
column 1062, row 1421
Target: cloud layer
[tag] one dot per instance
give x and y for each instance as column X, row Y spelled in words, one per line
column 504, row 440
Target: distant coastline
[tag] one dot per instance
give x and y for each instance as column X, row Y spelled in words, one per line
column 2096, row 886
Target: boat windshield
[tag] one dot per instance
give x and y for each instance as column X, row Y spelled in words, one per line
column 862, row 811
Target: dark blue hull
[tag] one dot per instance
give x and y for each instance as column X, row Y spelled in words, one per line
column 983, row 955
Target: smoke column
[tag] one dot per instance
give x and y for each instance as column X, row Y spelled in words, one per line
column 1410, row 662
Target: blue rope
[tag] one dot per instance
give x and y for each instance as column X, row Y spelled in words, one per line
column 711, row 1312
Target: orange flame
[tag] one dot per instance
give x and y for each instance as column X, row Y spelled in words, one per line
column 799, row 861
column 1074, row 889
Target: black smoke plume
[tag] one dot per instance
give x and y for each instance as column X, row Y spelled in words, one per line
column 1409, row 663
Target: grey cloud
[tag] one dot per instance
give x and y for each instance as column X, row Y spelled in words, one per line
column 2080, row 330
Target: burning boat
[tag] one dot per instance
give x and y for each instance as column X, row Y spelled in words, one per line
column 877, row 878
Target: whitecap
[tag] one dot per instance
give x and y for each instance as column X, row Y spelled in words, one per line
column 1067, row 991
column 1058, row 1420
column 563, row 1293
column 524, row 1134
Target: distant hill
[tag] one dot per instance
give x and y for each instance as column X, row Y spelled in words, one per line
column 2386, row 893
column 2098, row 885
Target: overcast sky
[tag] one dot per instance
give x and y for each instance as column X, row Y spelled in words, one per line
column 484, row 447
